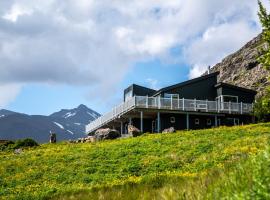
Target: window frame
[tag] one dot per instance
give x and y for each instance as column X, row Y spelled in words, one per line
column 220, row 100
column 169, row 96
column 172, row 120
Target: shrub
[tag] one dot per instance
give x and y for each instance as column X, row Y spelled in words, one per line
column 25, row 143
column 5, row 145
column 262, row 107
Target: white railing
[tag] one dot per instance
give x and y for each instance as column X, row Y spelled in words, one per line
column 113, row 114
column 189, row 105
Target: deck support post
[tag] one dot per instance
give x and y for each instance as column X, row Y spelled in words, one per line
column 130, row 121
column 216, row 121
column 218, row 105
column 187, row 121
column 142, row 121
column 158, row 122
column 121, row 124
column 171, row 102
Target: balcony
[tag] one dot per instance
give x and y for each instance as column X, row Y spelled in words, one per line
column 157, row 103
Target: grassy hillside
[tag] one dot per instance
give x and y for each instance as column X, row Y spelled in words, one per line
column 184, row 165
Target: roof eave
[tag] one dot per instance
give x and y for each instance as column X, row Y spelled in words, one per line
column 220, row 84
column 185, row 83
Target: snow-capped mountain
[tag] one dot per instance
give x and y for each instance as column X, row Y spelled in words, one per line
column 74, row 120
column 81, row 114
column 67, row 123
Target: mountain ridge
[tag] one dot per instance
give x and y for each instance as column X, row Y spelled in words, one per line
column 15, row 125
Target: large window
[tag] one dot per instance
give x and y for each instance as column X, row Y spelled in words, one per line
column 227, row 98
column 174, row 96
column 223, row 102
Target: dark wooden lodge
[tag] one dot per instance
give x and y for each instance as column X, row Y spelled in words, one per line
column 194, row 104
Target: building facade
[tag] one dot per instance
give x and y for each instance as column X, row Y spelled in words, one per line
column 194, row 104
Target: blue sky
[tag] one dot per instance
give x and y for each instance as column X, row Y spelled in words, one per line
column 46, row 99
column 59, row 54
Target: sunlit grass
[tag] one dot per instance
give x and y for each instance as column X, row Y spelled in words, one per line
column 151, row 166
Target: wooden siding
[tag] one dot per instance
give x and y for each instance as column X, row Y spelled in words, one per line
column 203, row 89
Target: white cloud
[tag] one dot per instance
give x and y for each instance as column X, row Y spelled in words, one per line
column 217, row 42
column 16, row 11
column 153, row 83
column 123, row 32
column 92, row 43
column 8, row 93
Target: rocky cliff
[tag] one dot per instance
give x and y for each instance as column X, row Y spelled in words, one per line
column 242, row 68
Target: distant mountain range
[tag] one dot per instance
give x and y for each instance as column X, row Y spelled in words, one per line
column 67, row 124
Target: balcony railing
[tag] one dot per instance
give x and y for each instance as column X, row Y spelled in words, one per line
column 188, row 105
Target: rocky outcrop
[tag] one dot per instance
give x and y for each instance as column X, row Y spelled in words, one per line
column 100, row 134
column 89, row 139
column 106, row 134
column 242, row 68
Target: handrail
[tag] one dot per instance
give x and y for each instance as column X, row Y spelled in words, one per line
column 113, row 114
column 188, row 105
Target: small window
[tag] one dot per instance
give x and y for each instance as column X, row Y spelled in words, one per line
column 209, row 122
column 197, row 121
column 128, row 95
column 172, row 119
column 174, row 96
column 228, row 98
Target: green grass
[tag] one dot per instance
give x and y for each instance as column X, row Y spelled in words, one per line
column 249, row 179
column 184, row 165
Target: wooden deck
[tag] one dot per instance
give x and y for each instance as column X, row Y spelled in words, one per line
column 169, row 104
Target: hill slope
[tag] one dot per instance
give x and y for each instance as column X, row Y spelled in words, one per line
column 67, row 123
column 241, row 68
column 64, row 169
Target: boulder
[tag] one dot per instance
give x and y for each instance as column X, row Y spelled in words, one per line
column 18, row 151
column 132, row 130
column 169, row 130
column 106, row 134
column 91, row 139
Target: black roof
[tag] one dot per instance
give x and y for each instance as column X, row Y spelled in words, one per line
column 139, row 86
column 143, row 87
column 221, row 84
column 186, row 83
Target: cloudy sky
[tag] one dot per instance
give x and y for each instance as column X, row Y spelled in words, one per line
column 58, row 54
